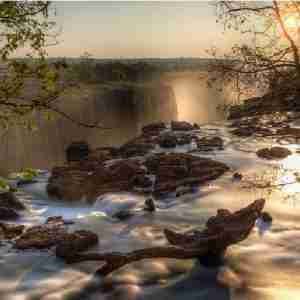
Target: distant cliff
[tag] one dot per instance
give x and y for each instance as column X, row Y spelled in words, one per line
column 125, row 108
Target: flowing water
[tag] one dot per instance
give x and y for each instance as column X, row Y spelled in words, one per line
column 265, row 266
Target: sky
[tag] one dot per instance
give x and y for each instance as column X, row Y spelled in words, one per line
column 137, row 29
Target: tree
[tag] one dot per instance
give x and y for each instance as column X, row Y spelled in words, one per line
column 31, row 84
column 269, row 56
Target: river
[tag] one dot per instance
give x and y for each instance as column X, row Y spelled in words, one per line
column 263, row 267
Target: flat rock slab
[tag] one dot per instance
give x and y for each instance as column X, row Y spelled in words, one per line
column 273, row 153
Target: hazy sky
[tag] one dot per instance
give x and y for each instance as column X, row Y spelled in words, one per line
column 137, row 29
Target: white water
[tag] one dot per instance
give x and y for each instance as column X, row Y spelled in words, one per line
column 264, row 267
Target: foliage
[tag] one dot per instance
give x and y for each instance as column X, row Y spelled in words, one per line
column 31, row 85
column 269, row 56
column 3, row 184
column 90, row 71
column 27, row 174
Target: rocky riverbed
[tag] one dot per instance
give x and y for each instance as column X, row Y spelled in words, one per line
column 189, row 172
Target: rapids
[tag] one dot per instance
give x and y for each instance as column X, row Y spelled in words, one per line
column 264, row 267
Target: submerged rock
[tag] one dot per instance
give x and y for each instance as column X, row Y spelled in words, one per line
column 273, row 153
column 9, row 200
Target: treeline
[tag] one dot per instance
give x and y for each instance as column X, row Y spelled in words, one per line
column 94, row 71
column 91, row 72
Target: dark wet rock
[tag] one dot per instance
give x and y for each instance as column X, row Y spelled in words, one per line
column 178, row 169
column 41, row 237
column 55, row 220
column 273, row 153
column 10, row 200
column 196, row 126
column 10, row 231
column 149, row 205
column 137, row 147
column 210, row 143
column 237, row 176
column 266, row 217
column 141, row 181
column 184, row 139
column 123, row 215
column 75, row 242
column 102, row 154
column 244, row 131
column 53, row 233
column 167, row 140
column 77, row 151
column 74, row 183
column 154, row 128
column 8, row 214
column 184, row 190
column 58, row 221
column 290, row 131
column 181, row 126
